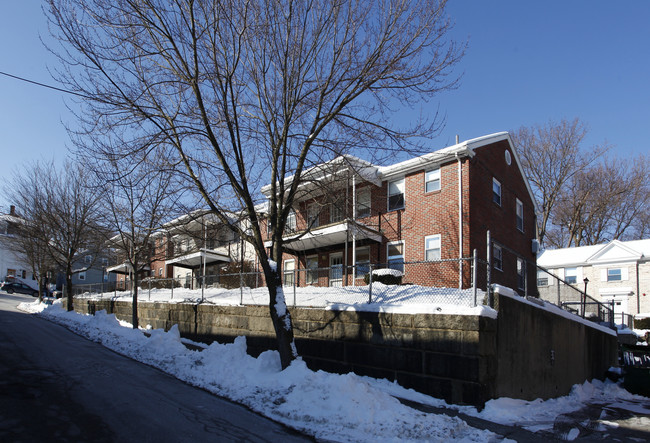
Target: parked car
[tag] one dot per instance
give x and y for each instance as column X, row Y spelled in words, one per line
column 21, row 288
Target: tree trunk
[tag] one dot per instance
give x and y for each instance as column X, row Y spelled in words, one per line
column 68, row 288
column 281, row 319
column 134, row 313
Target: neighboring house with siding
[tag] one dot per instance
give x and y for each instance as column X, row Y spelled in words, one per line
column 618, row 271
column 13, row 265
column 434, row 207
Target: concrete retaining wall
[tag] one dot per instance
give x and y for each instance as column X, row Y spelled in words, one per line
column 525, row 353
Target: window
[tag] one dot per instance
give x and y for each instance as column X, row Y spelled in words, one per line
column 571, row 275
column 311, row 264
column 104, row 261
column 542, row 278
column 363, row 203
column 336, row 211
column 289, row 267
column 497, row 257
column 89, row 259
column 362, row 262
column 396, row 195
column 496, row 191
column 432, row 247
column 159, row 272
column 396, row 256
column 82, row 275
column 290, row 226
column 432, row 180
column 521, row 273
column 312, row 215
column 11, row 272
column 520, row 215
column 614, row 274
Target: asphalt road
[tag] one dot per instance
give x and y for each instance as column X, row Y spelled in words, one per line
column 57, row 386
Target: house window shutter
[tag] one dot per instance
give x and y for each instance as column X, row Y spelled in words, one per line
column 603, row 275
column 624, row 274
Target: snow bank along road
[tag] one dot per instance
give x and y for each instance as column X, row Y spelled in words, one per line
column 57, row 386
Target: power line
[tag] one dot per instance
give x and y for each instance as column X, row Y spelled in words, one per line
column 42, row 84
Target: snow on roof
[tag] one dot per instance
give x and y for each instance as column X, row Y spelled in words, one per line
column 635, row 250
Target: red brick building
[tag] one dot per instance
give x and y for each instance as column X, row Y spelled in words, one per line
column 429, row 209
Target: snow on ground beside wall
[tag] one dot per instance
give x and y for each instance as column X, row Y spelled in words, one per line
column 385, row 298
column 329, row 406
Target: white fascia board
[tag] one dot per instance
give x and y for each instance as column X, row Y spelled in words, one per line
column 628, row 254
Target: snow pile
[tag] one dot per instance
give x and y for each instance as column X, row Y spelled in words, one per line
column 328, row 406
column 387, row 271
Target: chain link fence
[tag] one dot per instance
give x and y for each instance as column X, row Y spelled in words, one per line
column 458, row 282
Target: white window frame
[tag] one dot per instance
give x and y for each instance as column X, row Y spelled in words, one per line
column 543, row 278
column 496, row 191
column 337, row 212
column 160, row 272
column 432, row 243
column 364, row 203
column 574, row 277
column 88, row 258
column 497, row 257
column 290, row 225
column 396, row 259
column 82, row 275
column 400, row 185
column 611, row 276
column 432, row 177
column 519, row 210
column 288, row 274
column 521, row 273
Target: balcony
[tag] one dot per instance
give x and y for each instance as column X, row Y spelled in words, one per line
column 329, row 235
column 194, row 260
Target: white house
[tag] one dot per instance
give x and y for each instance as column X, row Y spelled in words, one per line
column 12, row 264
column 618, row 271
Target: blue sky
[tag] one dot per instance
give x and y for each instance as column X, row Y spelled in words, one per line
column 527, row 62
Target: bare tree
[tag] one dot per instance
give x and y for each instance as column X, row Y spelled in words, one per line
column 251, row 92
column 586, row 197
column 60, row 214
column 137, row 200
column 551, row 156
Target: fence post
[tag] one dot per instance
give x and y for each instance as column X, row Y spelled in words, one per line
column 559, row 296
column 474, row 274
column 241, row 288
column 489, row 271
column 370, row 284
column 202, row 287
column 149, row 290
column 173, row 281
column 611, row 315
column 294, row 288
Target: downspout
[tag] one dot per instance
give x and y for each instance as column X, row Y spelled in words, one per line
column 638, row 289
column 460, row 218
column 354, row 230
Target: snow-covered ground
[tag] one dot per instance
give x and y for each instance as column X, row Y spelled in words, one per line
column 334, row 407
column 385, row 298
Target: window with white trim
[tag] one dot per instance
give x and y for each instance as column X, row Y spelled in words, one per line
column 542, row 278
column 395, row 254
column 82, row 275
column 497, row 257
column 614, row 274
column 521, row 274
column 336, row 211
column 89, row 259
column 432, row 247
column 160, row 272
column 396, row 194
column 363, row 202
column 496, row 191
column 520, row 215
column 290, row 225
column 432, row 180
column 288, row 268
column 571, row 275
